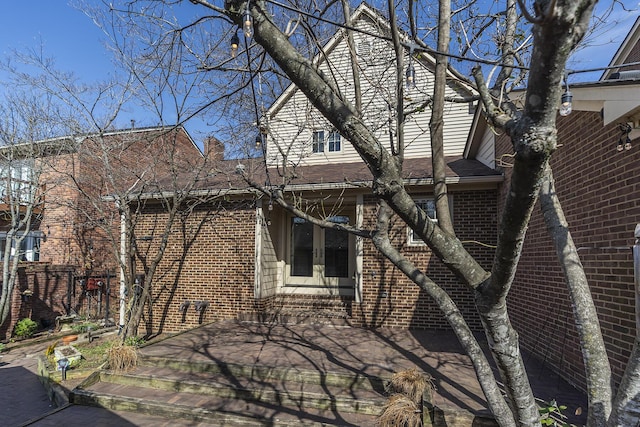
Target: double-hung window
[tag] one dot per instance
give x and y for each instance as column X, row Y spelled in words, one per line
column 333, row 141
column 318, row 141
column 323, row 141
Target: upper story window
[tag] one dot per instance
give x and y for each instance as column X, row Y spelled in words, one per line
column 29, row 247
column 318, row 141
column 16, row 181
column 326, row 141
column 333, row 141
column 429, row 207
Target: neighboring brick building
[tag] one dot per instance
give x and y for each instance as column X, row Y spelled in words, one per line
column 597, row 173
column 72, row 245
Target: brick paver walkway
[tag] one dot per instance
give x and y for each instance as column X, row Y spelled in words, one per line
column 325, row 347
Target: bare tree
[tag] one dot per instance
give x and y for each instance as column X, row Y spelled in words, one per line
column 107, row 171
column 27, row 120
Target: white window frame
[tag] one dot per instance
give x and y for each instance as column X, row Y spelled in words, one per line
column 29, row 247
column 323, row 141
column 318, row 141
column 331, row 140
column 428, row 205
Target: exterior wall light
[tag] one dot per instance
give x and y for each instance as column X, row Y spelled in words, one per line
column 624, row 143
column 26, row 295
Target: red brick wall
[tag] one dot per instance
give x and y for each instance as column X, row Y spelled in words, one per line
column 54, row 287
column 210, row 257
column 218, row 266
column 390, row 299
column 74, row 220
column 59, row 245
column 599, row 188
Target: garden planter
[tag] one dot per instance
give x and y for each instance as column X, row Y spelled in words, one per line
column 67, row 352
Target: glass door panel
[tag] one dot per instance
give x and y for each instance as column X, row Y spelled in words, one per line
column 301, row 248
column 336, row 251
column 323, row 259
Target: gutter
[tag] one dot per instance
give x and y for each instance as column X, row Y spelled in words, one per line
column 486, row 179
column 409, row 182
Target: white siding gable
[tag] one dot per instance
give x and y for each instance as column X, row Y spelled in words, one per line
column 487, row 149
column 293, row 120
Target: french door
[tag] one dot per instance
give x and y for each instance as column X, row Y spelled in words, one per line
column 321, row 258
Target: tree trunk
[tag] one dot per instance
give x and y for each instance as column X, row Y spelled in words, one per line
column 596, row 361
column 496, row 401
column 436, row 124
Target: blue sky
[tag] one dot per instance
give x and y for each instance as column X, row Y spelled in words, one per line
column 64, row 32
column 77, row 44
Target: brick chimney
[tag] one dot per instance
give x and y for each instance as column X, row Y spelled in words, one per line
column 213, row 148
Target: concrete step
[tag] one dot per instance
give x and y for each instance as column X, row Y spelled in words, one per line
column 234, row 394
column 268, row 373
column 349, row 398
column 227, row 411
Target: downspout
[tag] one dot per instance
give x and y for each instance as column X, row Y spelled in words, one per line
column 359, row 249
column 257, row 279
column 636, row 275
column 123, row 260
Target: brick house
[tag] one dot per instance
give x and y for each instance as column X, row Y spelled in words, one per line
column 597, row 173
column 68, row 257
column 250, row 258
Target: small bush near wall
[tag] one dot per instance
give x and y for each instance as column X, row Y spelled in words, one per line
column 25, row 328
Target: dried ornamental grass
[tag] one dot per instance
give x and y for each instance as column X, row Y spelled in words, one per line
column 122, row 357
column 410, row 383
column 400, row 411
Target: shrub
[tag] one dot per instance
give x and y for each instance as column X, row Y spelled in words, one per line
column 25, row 328
column 122, row 357
column 85, row 327
column 134, row 341
column 404, row 406
column 410, row 383
column 2, row 347
column 400, row 411
column 551, row 414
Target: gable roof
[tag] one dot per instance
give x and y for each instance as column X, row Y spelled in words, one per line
column 69, row 143
column 628, row 52
column 363, row 12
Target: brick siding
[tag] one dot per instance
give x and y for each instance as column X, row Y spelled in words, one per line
column 56, row 291
column 598, row 187
column 390, row 299
column 210, row 257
